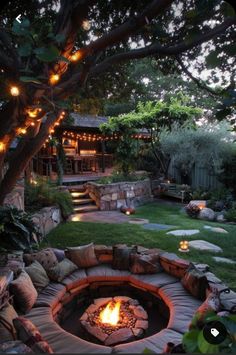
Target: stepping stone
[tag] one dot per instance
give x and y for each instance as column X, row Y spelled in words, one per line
column 204, row 245
column 223, row 260
column 218, row 230
column 138, row 221
column 184, row 232
column 156, row 226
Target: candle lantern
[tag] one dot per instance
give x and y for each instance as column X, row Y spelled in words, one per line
column 184, row 246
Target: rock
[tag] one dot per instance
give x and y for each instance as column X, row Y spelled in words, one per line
column 137, row 332
column 223, row 260
column 202, row 267
column 199, row 203
column 99, row 302
column 134, row 302
column 184, row 232
column 95, row 331
column 204, row 245
column 92, row 308
column 84, row 317
column 218, row 230
column 122, row 298
column 220, row 218
column 119, row 336
column 138, row 221
column 139, row 312
column 207, row 213
column 143, row 324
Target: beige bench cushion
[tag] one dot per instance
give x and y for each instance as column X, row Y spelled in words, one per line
column 77, row 278
column 154, row 281
column 51, row 295
column 106, row 273
column 181, row 304
column 59, row 340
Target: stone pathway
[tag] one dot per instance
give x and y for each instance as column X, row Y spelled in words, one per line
column 157, row 227
column 223, row 260
column 216, row 229
column 184, row 232
column 206, row 246
column 101, row 217
column 134, row 220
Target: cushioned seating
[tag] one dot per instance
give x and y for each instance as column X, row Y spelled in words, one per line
column 50, row 295
column 156, row 343
column 106, row 273
column 78, row 277
column 153, row 281
column 59, row 340
column 181, row 304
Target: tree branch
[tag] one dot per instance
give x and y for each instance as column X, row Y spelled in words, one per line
column 157, row 49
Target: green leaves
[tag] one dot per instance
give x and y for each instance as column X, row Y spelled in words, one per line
column 25, row 49
column 204, row 346
column 21, row 29
column 190, row 341
column 47, row 54
column 212, row 60
column 30, row 79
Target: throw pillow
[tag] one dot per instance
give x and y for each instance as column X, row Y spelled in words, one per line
column 7, row 329
column 38, row 275
column 14, row 347
column 60, row 254
column 61, row 270
column 141, row 263
column 121, row 256
column 195, row 282
column 30, row 335
column 82, row 256
column 24, row 292
column 46, row 257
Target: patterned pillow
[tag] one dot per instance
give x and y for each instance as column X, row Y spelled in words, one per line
column 82, row 256
column 14, row 347
column 121, row 256
column 24, row 292
column 46, row 257
column 7, row 329
column 195, row 282
column 30, row 335
column 141, row 263
column 38, row 275
column 61, row 270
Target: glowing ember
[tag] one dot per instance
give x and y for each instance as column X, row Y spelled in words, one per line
column 110, row 314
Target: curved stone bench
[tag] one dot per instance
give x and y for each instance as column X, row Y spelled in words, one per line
column 182, row 307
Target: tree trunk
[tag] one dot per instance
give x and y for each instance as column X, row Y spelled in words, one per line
column 19, row 162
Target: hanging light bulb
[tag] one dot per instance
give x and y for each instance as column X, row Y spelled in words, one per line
column 15, row 91
column 54, row 78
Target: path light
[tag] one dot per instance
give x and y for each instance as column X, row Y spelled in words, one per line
column 184, row 246
column 15, row 91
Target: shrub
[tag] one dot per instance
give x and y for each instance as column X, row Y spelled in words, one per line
column 192, row 210
column 201, row 194
column 230, row 215
column 220, row 199
column 18, row 231
column 117, row 177
column 43, row 194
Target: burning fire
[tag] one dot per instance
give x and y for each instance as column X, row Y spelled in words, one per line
column 110, row 314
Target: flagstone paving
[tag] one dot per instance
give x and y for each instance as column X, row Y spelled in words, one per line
column 216, row 229
column 157, row 227
column 184, row 232
column 204, row 245
column 223, row 260
column 101, row 217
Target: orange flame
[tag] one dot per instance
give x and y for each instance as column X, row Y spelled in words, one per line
column 110, row 314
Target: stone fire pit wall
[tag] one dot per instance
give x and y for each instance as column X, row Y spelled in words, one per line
column 112, row 196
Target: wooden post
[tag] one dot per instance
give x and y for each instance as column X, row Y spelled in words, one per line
column 103, row 157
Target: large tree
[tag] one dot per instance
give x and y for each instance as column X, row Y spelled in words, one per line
column 61, row 46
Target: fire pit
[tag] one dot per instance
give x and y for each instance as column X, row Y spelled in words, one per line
column 114, row 320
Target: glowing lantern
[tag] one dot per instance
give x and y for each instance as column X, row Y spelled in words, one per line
column 14, row 90
column 184, row 246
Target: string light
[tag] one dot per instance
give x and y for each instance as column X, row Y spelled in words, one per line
column 33, row 112
column 76, row 56
column 86, row 25
column 23, row 130
column 2, row 147
column 54, row 78
column 32, row 124
column 15, row 91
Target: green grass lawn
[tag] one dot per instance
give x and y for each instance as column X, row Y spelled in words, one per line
column 77, row 233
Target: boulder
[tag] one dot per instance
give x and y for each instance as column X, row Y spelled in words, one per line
column 207, row 213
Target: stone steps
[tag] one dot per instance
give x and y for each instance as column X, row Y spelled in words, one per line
column 82, row 201
column 85, row 209
column 76, row 195
column 76, row 188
